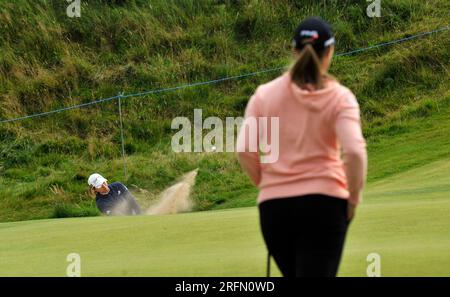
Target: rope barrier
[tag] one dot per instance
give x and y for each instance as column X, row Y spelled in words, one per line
column 120, row 96
column 57, row 110
column 215, row 80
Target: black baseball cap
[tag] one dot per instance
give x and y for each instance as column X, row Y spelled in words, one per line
column 314, row 31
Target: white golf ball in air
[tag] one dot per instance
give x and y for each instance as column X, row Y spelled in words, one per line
column 213, row 148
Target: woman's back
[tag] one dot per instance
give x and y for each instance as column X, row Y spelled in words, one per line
column 308, row 158
column 303, row 119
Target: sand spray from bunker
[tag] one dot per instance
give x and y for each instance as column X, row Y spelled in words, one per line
column 176, row 198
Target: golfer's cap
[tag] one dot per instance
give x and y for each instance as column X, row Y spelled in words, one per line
column 96, row 180
column 314, row 31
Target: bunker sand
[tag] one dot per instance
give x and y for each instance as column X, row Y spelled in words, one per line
column 176, row 198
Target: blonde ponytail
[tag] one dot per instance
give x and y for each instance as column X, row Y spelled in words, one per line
column 308, row 68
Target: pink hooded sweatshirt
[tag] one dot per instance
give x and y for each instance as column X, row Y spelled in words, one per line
column 313, row 128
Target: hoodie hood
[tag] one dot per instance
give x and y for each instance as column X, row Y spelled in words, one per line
column 313, row 100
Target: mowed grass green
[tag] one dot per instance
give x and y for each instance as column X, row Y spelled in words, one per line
column 404, row 218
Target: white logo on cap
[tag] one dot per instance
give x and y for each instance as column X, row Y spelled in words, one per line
column 309, row 33
column 329, row 42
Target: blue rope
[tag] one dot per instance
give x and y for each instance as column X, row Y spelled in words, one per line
column 58, row 110
column 203, row 83
column 394, row 41
column 216, row 80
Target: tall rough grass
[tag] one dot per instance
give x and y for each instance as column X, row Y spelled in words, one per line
column 48, row 60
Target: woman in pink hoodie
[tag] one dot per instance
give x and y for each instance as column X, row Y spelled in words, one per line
column 308, row 192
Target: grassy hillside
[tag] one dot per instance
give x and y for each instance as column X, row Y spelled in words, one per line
column 48, row 60
column 404, row 219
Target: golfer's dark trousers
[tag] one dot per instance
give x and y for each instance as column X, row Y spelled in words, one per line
column 305, row 234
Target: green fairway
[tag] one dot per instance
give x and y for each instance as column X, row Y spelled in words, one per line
column 403, row 218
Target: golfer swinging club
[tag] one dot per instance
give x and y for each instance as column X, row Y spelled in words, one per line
column 308, row 196
column 113, row 199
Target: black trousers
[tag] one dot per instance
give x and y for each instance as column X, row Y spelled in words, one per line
column 305, row 234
